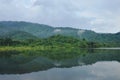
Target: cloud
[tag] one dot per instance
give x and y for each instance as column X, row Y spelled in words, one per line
column 98, row 15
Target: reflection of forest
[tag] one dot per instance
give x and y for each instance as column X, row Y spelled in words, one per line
column 19, row 63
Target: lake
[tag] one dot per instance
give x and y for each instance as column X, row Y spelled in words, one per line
column 95, row 64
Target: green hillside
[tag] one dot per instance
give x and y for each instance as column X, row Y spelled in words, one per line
column 26, row 30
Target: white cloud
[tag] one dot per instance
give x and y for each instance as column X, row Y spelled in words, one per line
column 98, row 15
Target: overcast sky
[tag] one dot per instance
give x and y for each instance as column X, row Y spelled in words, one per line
column 98, row 15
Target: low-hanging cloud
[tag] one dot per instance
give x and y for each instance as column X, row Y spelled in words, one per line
column 97, row 15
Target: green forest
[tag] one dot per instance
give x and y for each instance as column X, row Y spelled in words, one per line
column 53, row 41
column 54, row 47
column 31, row 39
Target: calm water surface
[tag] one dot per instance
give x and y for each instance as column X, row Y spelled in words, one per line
column 95, row 65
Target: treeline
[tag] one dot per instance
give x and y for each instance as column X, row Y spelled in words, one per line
column 65, row 41
column 9, row 42
column 57, row 40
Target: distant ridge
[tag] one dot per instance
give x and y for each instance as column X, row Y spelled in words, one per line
column 28, row 30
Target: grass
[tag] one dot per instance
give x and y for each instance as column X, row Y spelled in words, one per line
column 54, row 52
column 36, row 48
column 23, row 48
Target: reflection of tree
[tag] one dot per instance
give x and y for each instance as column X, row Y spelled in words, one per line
column 17, row 63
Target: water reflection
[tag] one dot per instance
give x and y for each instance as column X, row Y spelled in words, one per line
column 98, row 71
column 19, row 64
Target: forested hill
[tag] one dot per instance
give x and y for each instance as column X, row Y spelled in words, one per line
column 27, row 30
column 53, row 41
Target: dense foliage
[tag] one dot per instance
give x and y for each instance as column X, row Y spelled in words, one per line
column 53, row 41
column 26, row 30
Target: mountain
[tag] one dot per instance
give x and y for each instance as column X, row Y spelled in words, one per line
column 27, row 30
column 19, row 35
